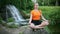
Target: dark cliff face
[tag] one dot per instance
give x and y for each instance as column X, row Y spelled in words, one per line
column 4, row 13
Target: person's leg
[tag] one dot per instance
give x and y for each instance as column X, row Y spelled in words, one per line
column 38, row 24
column 32, row 25
column 42, row 25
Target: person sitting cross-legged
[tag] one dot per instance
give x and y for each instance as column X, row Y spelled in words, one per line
column 35, row 18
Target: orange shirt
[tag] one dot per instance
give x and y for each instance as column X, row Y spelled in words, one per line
column 36, row 15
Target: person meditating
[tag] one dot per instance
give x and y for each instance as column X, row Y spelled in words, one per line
column 35, row 19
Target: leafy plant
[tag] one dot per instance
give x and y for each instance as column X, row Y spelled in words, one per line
column 10, row 19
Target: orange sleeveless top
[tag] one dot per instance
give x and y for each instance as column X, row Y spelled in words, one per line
column 36, row 15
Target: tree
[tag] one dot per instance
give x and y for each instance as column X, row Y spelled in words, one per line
column 56, row 3
column 49, row 2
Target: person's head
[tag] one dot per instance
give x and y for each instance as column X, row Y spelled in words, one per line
column 36, row 6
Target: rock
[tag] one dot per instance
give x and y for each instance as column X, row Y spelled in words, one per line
column 29, row 31
column 21, row 30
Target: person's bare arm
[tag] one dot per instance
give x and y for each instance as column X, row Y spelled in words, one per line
column 43, row 17
column 44, row 23
column 30, row 19
column 31, row 25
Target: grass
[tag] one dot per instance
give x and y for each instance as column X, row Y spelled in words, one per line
column 51, row 13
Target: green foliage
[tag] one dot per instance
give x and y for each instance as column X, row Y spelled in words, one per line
column 25, row 14
column 12, row 26
column 52, row 14
column 20, row 4
column 55, row 16
column 48, row 2
column 10, row 20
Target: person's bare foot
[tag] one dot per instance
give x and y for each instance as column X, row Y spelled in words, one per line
column 32, row 26
column 37, row 27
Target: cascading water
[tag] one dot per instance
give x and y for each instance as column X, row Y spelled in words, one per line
column 15, row 13
column 34, row 1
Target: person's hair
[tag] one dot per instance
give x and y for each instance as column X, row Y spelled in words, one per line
column 36, row 3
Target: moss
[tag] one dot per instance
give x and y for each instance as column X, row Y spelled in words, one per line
column 10, row 19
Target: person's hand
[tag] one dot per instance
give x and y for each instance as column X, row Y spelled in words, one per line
column 32, row 25
column 29, row 23
column 46, row 22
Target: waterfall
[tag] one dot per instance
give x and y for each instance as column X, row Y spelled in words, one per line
column 15, row 13
column 34, row 1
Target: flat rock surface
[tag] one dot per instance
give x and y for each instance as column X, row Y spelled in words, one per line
column 21, row 30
